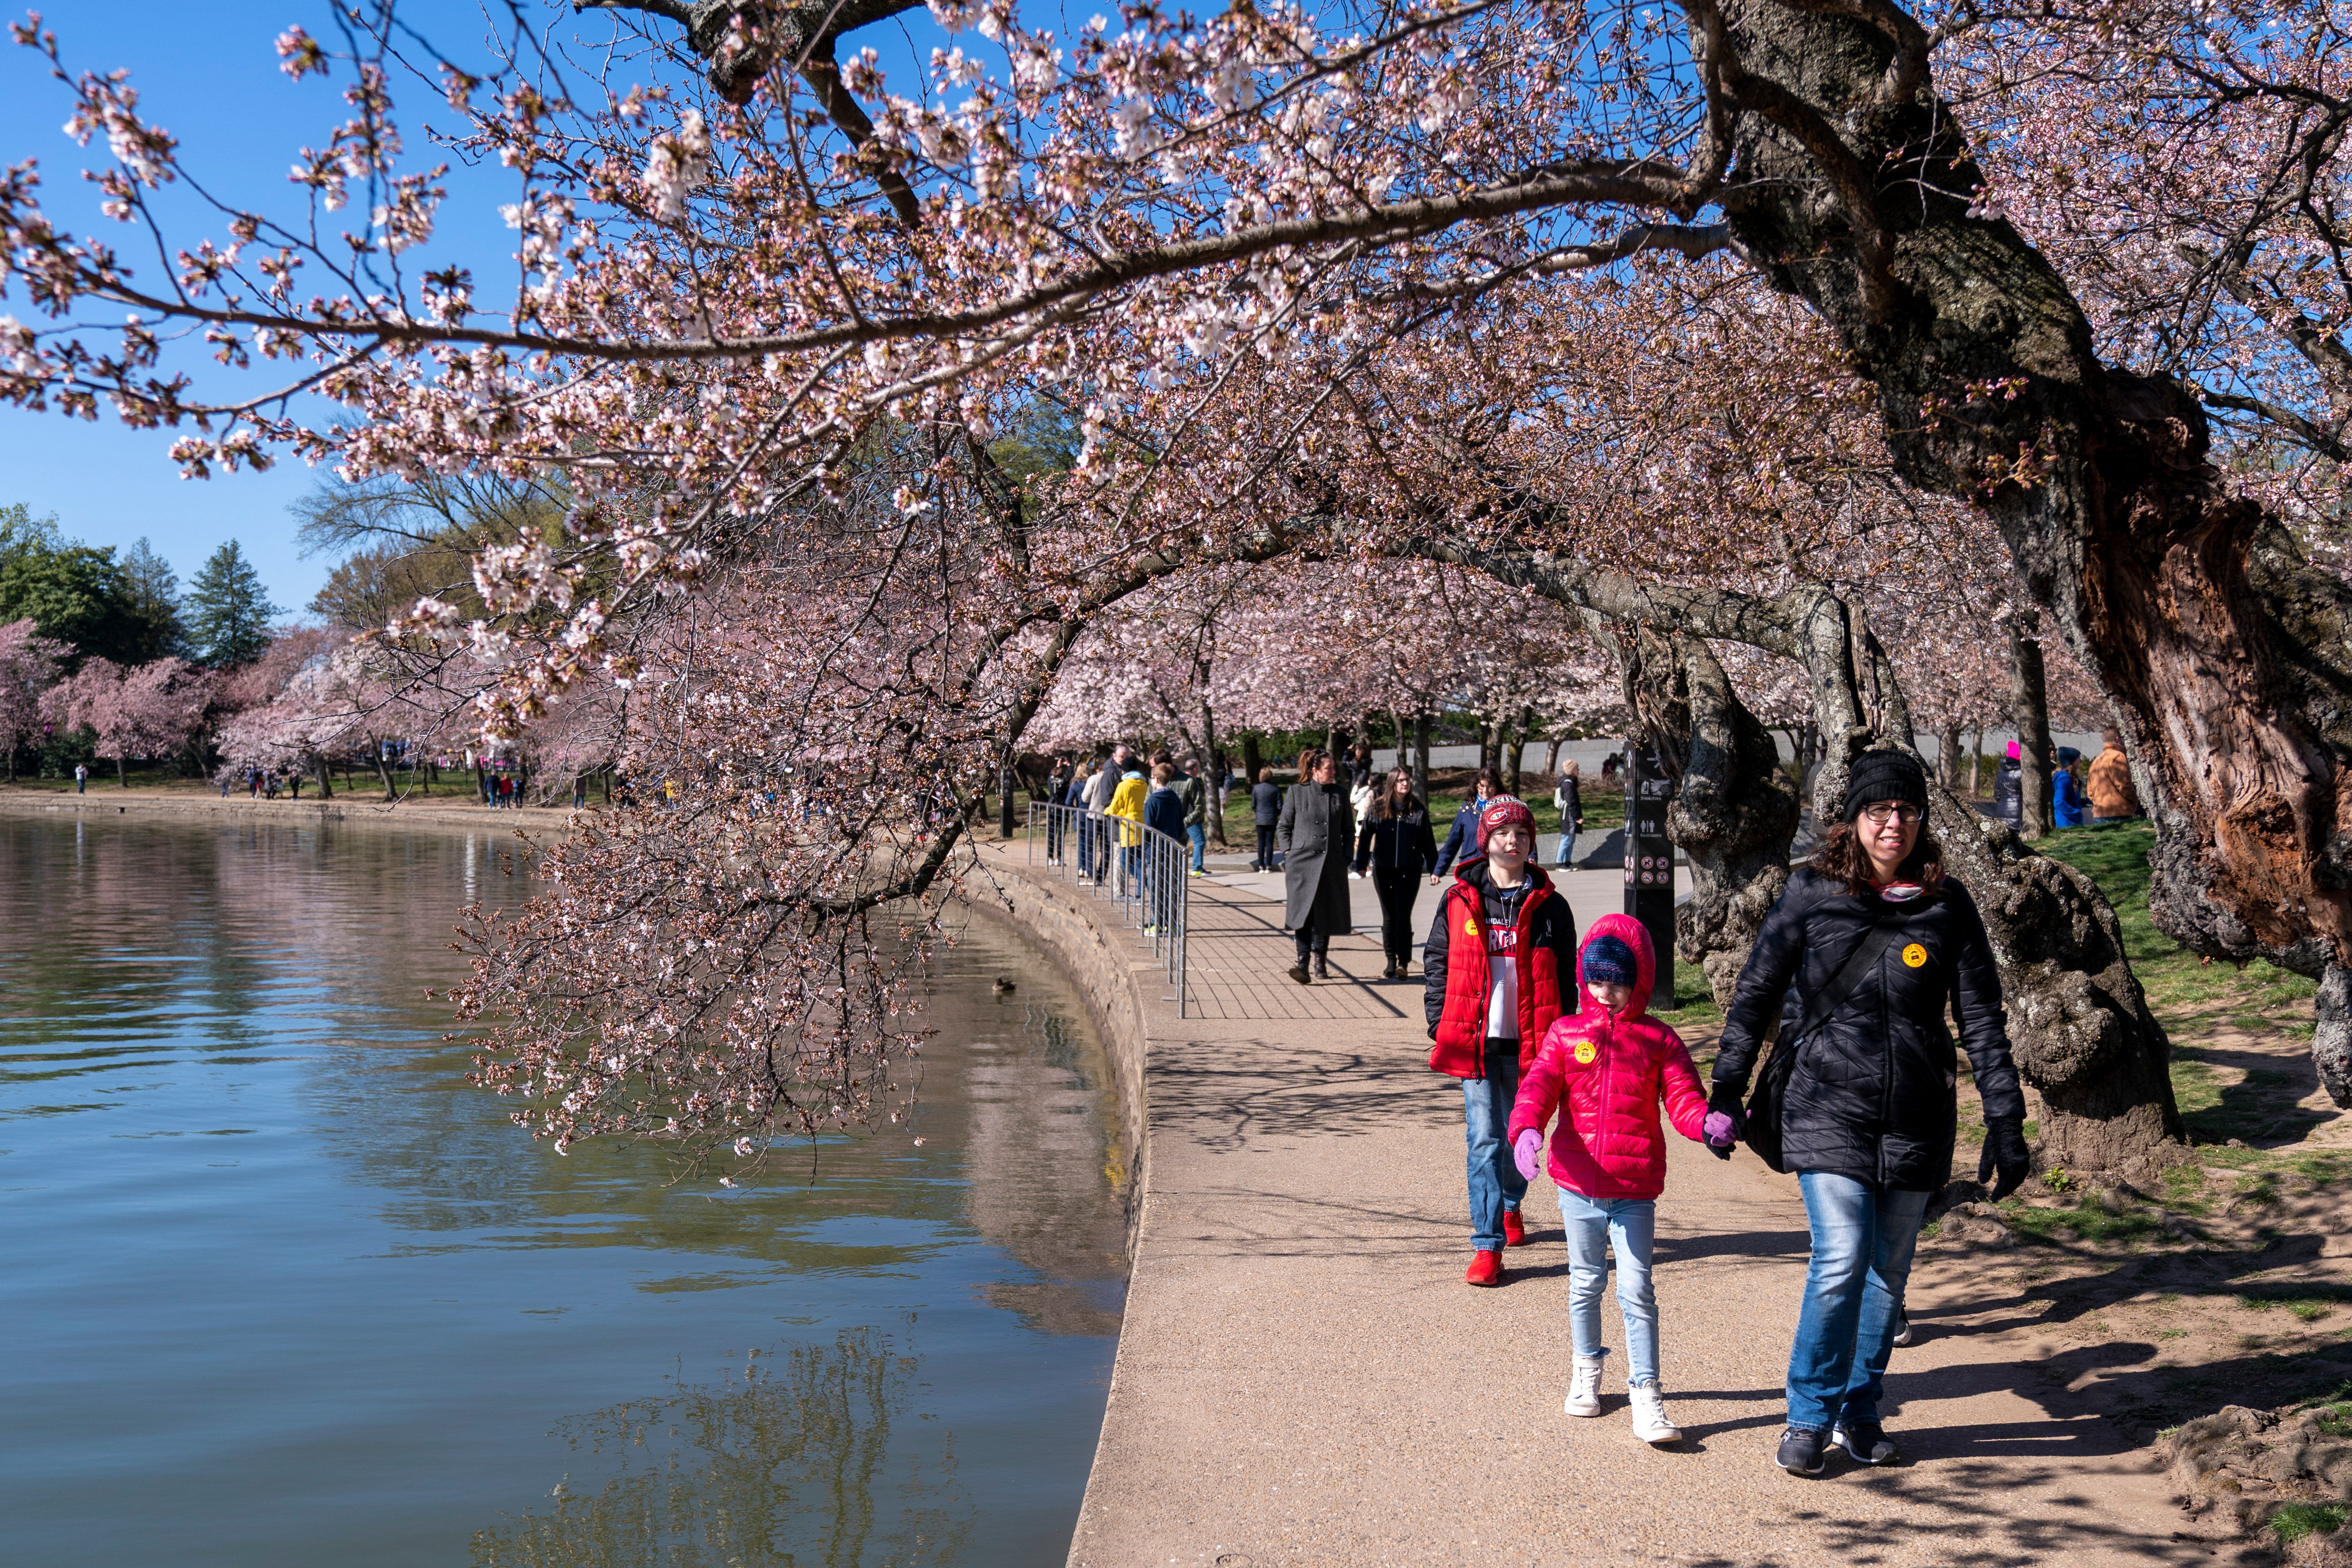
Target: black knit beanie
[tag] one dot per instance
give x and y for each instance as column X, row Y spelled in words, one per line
column 1885, row 776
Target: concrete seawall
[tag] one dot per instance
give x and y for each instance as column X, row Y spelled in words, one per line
column 432, row 812
column 1302, row 1378
column 1114, row 974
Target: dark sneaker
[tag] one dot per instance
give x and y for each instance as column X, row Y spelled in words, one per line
column 1800, row 1451
column 1865, row 1442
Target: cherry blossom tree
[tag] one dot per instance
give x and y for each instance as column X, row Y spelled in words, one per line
column 1331, row 288
column 139, row 710
column 29, row 663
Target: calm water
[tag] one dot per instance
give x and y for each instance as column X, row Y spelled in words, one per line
column 281, row 1289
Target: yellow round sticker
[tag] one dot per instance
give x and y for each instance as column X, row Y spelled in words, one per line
column 1915, row 955
column 1469, row 928
column 1585, row 1052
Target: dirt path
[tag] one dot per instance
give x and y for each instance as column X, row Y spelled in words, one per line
column 1303, row 1377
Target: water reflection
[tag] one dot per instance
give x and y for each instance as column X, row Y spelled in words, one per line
column 281, row 1273
column 792, row 1460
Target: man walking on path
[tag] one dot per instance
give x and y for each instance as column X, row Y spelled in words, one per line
column 81, row 779
column 1498, row 967
column 1099, row 789
column 1568, row 795
column 1193, row 790
column 2113, row 798
column 1265, row 808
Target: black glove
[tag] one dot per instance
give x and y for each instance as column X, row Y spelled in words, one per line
column 2004, row 1151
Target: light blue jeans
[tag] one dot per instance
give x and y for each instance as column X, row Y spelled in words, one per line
column 1198, row 832
column 1496, row 1183
column 1629, row 1226
column 1863, row 1239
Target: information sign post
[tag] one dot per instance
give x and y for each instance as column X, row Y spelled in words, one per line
column 1650, row 861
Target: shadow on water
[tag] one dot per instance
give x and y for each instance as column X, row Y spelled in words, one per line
column 282, row 1272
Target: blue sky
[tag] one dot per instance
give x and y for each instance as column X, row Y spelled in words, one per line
column 209, row 75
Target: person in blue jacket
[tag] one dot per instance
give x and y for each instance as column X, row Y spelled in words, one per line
column 1163, row 812
column 1462, row 843
column 2068, row 804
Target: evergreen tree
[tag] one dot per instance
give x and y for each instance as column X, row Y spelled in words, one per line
column 227, row 611
column 74, row 593
column 151, row 589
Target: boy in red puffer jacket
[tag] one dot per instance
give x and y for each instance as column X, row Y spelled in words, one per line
column 1498, row 967
column 1606, row 1069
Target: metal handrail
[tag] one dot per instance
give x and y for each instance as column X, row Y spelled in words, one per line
column 1143, row 872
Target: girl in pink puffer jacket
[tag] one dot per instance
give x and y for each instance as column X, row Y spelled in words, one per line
column 1607, row 1067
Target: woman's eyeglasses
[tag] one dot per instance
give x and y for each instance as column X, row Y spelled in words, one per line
column 1880, row 815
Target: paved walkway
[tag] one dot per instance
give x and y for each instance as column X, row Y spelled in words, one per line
column 1304, row 1378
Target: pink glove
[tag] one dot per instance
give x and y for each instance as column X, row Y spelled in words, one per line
column 1717, row 1129
column 1527, row 1150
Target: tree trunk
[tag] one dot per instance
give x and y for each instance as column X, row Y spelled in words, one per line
column 1514, row 750
column 1734, row 813
column 1490, row 744
column 1213, row 776
column 2079, row 1026
column 122, row 773
column 1976, row 767
column 1420, row 755
column 2219, row 646
column 1253, row 762
column 2028, row 711
column 326, row 788
column 383, row 772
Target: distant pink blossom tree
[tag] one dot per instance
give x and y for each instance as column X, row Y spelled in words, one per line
column 140, row 710
column 29, row 667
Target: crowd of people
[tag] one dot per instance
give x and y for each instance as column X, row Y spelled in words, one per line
column 1552, row 1038
column 2100, row 792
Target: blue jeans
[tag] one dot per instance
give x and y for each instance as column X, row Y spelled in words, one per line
column 1496, row 1183
column 1863, row 1239
column 1198, row 832
column 1595, row 1225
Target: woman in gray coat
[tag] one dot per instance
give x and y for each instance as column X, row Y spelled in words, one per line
column 1317, row 832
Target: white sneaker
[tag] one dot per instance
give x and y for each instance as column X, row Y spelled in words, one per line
column 1649, row 1412
column 1584, row 1391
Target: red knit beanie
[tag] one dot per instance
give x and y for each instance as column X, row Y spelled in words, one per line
column 1502, row 811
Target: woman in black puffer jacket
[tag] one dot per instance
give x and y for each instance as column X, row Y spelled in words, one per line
column 1869, row 1112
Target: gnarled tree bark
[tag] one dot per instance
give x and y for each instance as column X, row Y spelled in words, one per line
column 1734, row 810
column 2079, row 1024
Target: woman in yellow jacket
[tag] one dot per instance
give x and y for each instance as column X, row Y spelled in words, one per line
column 1127, row 801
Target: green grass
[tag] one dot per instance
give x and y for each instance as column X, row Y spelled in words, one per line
column 2297, row 1519
column 2308, row 1299
column 1603, row 812
column 2087, row 1222
column 2175, row 980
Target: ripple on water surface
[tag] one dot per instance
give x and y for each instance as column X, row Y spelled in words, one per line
column 284, row 1290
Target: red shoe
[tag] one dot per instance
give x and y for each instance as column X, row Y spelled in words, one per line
column 1486, row 1268
column 1514, row 1233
